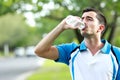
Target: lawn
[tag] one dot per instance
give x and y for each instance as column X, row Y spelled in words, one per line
column 51, row 71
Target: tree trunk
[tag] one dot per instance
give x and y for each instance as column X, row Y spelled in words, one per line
column 6, row 49
column 113, row 28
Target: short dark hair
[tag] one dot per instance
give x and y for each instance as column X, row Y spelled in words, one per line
column 99, row 16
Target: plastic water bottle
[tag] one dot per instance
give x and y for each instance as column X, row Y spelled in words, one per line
column 73, row 21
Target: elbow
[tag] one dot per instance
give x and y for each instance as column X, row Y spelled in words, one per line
column 37, row 51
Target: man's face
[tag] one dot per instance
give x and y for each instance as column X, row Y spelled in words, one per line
column 91, row 23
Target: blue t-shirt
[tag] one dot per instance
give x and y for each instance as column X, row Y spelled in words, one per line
column 65, row 51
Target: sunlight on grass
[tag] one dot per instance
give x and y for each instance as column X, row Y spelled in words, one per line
column 51, row 71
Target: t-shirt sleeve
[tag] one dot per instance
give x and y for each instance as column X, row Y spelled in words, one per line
column 65, row 51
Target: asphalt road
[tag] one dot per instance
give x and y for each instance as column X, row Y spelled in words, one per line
column 12, row 68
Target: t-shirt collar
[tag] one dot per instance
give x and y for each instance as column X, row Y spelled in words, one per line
column 106, row 48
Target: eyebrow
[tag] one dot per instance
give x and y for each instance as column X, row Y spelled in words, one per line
column 87, row 17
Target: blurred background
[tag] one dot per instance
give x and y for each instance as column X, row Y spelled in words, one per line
column 23, row 23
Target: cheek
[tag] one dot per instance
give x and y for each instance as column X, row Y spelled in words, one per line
column 93, row 25
column 93, row 28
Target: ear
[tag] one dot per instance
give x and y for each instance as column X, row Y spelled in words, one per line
column 101, row 28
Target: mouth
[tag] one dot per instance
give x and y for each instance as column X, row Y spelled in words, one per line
column 83, row 29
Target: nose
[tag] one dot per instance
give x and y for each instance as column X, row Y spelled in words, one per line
column 83, row 19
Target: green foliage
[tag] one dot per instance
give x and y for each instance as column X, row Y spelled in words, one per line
column 49, row 21
column 116, row 40
column 47, row 24
column 66, row 37
column 44, row 1
column 32, row 38
column 12, row 29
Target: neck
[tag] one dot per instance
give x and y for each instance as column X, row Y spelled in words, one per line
column 93, row 44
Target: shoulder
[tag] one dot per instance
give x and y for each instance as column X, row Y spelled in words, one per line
column 64, row 51
column 115, row 48
column 68, row 46
column 116, row 51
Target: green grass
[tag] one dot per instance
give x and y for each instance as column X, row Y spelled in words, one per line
column 51, row 71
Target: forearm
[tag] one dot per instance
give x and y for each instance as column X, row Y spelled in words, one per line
column 44, row 48
column 47, row 41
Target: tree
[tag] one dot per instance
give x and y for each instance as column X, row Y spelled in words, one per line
column 12, row 29
column 62, row 8
column 112, row 13
column 74, row 7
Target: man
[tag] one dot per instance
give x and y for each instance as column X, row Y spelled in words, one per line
column 92, row 59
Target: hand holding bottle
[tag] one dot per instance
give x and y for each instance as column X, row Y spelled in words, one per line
column 75, row 22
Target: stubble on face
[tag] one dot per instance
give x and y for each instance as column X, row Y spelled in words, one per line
column 91, row 23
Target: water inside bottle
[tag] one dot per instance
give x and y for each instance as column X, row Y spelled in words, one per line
column 73, row 21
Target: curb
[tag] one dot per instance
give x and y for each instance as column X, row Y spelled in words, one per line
column 24, row 75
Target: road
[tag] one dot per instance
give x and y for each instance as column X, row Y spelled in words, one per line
column 12, row 68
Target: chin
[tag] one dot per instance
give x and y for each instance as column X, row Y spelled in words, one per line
column 85, row 34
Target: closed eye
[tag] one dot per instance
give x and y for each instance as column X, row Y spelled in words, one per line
column 89, row 18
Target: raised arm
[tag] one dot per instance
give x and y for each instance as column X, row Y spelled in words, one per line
column 45, row 48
